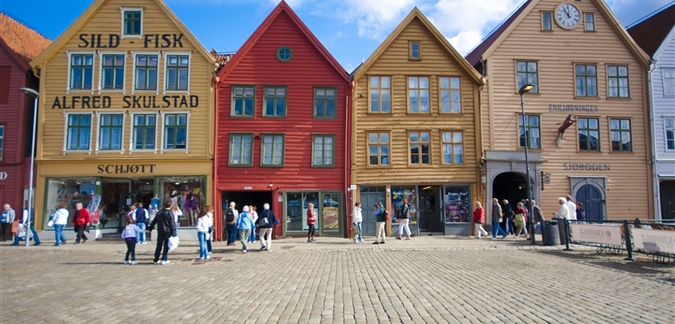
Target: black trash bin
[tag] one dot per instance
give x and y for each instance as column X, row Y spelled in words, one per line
column 562, row 230
column 550, row 233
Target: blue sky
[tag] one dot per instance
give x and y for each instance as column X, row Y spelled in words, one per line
column 350, row 29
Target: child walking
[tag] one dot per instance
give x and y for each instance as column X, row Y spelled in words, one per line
column 129, row 235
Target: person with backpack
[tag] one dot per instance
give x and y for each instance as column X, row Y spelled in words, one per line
column 231, row 215
column 244, row 225
column 311, row 221
column 381, row 218
column 165, row 229
column 265, row 224
column 8, row 215
column 129, row 234
column 142, row 219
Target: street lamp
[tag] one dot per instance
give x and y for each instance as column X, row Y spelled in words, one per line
column 524, row 89
column 30, row 210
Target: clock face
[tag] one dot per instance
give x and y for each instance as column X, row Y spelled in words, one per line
column 567, row 16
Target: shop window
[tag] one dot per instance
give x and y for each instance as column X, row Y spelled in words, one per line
column 185, row 192
column 146, row 72
column 110, row 132
column 415, row 50
column 379, row 89
column 420, row 144
column 112, row 71
column 670, row 134
column 453, row 148
column 2, row 141
column 617, row 81
column 457, row 204
column 272, row 150
column 145, row 131
column 589, row 134
column 323, row 150
column 586, row 80
column 378, row 148
column 275, row 102
column 132, row 22
column 527, row 73
column 241, row 149
column 70, row 191
column 177, row 72
column 529, row 128
column 668, row 81
column 418, row 94
column 325, row 102
column 296, row 209
column 621, row 137
column 81, row 66
column 546, row 23
column 451, row 101
column 243, row 101
column 78, row 132
column 397, row 196
column 175, row 131
column 590, row 21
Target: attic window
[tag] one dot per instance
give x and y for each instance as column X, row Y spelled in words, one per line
column 415, row 50
column 132, row 21
column 284, row 54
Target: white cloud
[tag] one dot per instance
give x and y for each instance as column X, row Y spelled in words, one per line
column 375, row 17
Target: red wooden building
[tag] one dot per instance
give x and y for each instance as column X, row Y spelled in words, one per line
column 282, row 125
column 18, row 45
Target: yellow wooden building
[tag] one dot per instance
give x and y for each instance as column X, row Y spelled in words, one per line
column 125, row 114
column 583, row 65
column 415, row 131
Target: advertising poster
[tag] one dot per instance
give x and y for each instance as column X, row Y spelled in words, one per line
column 654, row 240
column 609, row 234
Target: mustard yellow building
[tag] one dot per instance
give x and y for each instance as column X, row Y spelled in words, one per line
column 125, row 114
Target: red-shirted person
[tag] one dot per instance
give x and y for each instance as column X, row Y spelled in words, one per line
column 81, row 221
column 479, row 219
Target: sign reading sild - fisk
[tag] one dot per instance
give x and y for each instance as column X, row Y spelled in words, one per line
column 113, row 40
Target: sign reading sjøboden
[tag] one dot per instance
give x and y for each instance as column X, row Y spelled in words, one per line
column 592, row 233
column 654, row 240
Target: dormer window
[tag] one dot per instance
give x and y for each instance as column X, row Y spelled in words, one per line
column 132, row 22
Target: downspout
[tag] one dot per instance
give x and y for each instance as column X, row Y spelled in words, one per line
column 217, row 200
column 655, row 174
column 347, row 156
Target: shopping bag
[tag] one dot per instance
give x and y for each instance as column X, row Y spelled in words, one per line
column 173, row 243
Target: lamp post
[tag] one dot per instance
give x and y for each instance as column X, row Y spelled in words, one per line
column 30, row 210
column 524, row 89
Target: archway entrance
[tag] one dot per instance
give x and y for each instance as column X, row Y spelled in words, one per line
column 510, row 186
column 591, row 198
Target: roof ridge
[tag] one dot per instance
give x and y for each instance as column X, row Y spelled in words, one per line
column 5, row 13
column 515, row 10
column 650, row 15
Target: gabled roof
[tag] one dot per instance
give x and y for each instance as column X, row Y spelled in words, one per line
column 24, row 41
column 417, row 14
column 492, row 43
column 75, row 27
column 282, row 7
column 651, row 31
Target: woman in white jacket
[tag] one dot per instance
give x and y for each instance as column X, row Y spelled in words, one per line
column 563, row 211
column 60, row 219
column 357, row 219
column 203, row 225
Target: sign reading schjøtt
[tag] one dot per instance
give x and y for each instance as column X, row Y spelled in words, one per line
column 654, row 240
column 593, row 233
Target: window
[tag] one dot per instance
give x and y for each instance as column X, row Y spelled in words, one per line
column 110, row 132
column 275, row 102
column 546, row 22
column 243, row 101
column 419, row 148
column 378, row 148
column 621, row 138
column 450, row 95
column 241, row 149
column 146, row 72
column 380, row 94
column 81, row 71
column 132, row 21
column 325, row 101
column 144, row 131
column 668, row 81
column 79, row 130
column 323, row 151
column 415, row 50
column 589, row 134
column 272, row 150
column 670, row 134
column 112, row 72
column 284, row 54
column 418, row 94
column 587, row 80
column 617, row 81
column 2, row 140
column 177, row 70
column 529, row 128
column 175, row 131
column 5, row 75
column 527, row 74
column 453, row 148
column 590, row 21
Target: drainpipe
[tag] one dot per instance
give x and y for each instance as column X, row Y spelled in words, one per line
column 217, row 200
column 347, row 158
column 652, row 117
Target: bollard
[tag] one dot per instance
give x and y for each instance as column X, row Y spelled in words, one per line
column 629, row 243
column 567, row 232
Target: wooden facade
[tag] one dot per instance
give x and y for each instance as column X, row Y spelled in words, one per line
column 282, row 120
column 126, row 113
column 416, row 113
column 575, row 70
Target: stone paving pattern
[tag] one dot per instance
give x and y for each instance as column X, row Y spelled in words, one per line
column 333, row 280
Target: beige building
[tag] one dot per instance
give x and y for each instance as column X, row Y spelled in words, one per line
column 583, row 65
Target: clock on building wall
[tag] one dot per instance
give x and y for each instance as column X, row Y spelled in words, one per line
column 567, row 15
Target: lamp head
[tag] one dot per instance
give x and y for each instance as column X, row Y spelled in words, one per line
column 31, row 92
column 526, row 88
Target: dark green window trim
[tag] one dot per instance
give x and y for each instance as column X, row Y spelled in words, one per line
column 322, row 145
column 238, row 150
column 275, row 104
column 276, row 150
column 284, row 54
column 243, row 101
column 325, row 103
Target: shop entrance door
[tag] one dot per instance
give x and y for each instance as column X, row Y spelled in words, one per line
column 430, row 217
column 369, row 197
column 591, row 197
column 330, row 215
column 114, row 195
column 667, row 190
column 248, row 198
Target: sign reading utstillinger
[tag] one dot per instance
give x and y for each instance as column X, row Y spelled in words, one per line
column 593, row 233
column 654, row 240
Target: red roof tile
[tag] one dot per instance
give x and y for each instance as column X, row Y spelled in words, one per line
column 221, row 58
column 26, row 42
column 650, row 32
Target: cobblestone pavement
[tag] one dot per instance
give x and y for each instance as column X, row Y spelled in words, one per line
column 425, row 280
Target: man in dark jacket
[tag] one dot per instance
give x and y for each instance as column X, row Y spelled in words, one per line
column 266, row 222
column 507, row 212
column 165, row 229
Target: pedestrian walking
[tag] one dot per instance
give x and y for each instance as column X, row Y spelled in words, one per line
column 538, row 217
column 357, row 219
column 60, row 219
column 479, row 219
column 131, row 214
column 203, row 226
column 244, row 226
column 230, row 219
column 581, row 213
column 26, row 227
column 520, row 220
column 209, row 214
column 507, row 212
column 266, row 224
column 254, row 219
column 165, row 229
column 8, row 216
column 177, row 214
column 311, row 221
column 563, row 211
column 81, row 221
column 571, row 207
column 142, row 220
column 129, row 235
column 381, row 218
column 497, row 216
column 404, row 220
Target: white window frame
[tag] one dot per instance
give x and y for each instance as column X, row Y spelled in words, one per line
column 166, row 66
column 98, row 150
column 595, row 27
column 663, row 79
column 66, row 114
column 100, row 72
column 69, row 54
column 122, row 11
column 163, row 114
column 665, row 133
column 132, row 127
column 133, row 74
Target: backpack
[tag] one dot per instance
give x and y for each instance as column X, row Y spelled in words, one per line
column 229, row 215
column 386, row 215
